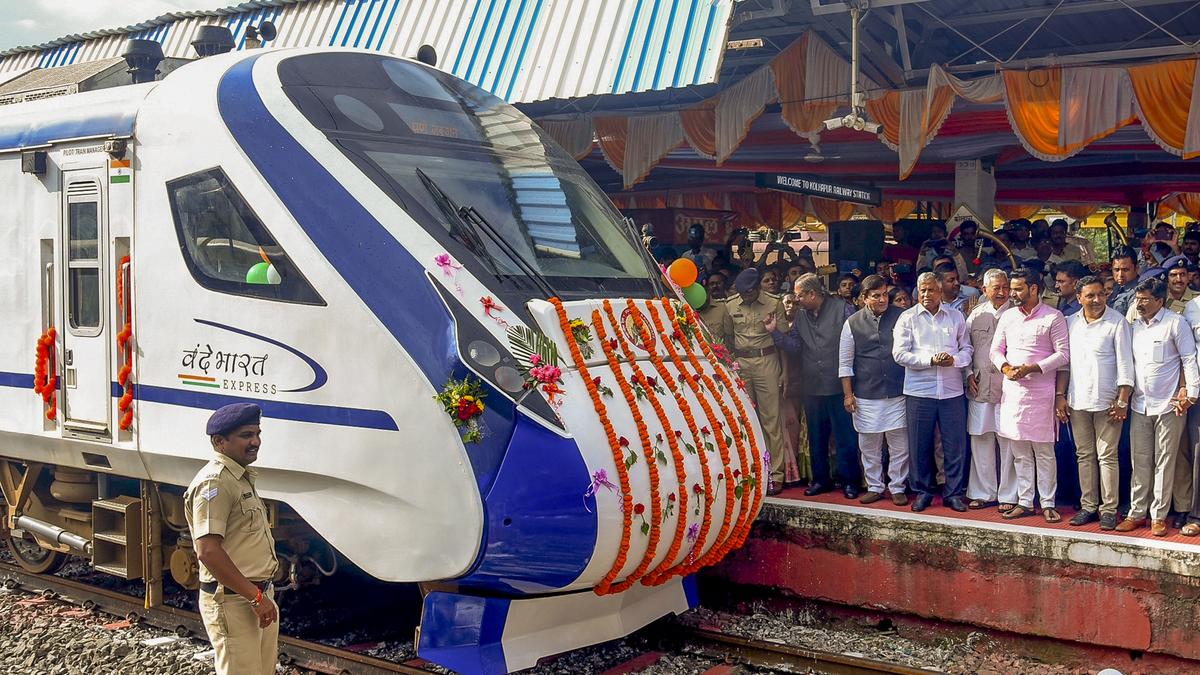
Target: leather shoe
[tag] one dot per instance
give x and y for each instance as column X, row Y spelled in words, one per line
column 850, row 491
column 899, row 498
column 1177, row 520
column 1131, row 524
column 957, row 503
column 1082, row 518
column 1108, row 521
column 774, row 489
column 815, row 489
column 922, row 502
column 1158, row 528
column 871, row 498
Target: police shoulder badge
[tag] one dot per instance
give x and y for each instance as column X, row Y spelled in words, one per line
column 209, row 494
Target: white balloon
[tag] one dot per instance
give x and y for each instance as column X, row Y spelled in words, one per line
column 1110, row 671
column 273, row 277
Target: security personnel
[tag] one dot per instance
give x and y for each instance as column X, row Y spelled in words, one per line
column 758, row 360
column 1178, row 275
column 234, row 544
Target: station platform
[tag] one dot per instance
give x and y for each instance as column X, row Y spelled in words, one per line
column 1130, row 591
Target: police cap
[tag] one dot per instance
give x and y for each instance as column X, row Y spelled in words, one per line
column 747, row 280
column 227, row 418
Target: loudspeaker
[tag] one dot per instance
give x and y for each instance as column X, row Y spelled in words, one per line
column 855, row 244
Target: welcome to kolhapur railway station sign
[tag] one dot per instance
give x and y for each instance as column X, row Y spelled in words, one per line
column 819, row 187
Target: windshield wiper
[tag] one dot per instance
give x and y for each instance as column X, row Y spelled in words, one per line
column 471, row 223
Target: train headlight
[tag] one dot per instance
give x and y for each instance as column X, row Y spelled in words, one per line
column 509, row 379
column 483, row 353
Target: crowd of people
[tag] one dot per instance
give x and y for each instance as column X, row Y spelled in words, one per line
column 1064, row 381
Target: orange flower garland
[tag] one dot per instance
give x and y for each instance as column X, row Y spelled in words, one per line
column 647, row 449
column 125, row 346
column 706, row 522
column 672, row 442
column 756, row 456
column 719, row 550
column 45, row 378
column 604, row 587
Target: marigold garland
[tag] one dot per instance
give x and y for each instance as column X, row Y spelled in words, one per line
column 706, row 522
column 719, row 550
column 680, row 471
column 756, row 455
column 647, row 449
column 604, row 587
column 125, row 346
column 45, row 377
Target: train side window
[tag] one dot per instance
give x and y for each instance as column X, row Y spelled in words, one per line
column 226, row 246
column 83, row 267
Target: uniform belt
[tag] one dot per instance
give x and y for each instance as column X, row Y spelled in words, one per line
column 752, row 353
column 211, row 587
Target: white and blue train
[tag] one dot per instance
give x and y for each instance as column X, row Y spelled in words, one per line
column 335, row 234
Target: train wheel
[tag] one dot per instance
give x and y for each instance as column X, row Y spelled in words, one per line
column 33, row 558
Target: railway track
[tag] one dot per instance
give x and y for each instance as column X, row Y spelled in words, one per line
column 292, row 651
column 775, row 656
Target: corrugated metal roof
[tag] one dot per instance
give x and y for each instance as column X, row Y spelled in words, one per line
column 521, row 50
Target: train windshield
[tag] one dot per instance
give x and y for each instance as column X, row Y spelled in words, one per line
column 501, row 196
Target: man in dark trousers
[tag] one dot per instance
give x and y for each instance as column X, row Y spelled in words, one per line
column 816, row 334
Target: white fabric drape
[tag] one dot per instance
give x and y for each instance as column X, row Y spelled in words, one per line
column 739, row 106
column 651, row 137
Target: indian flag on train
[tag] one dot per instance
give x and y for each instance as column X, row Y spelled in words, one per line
column 120, row 171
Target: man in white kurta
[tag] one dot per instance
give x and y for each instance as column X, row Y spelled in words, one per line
column 990, row 481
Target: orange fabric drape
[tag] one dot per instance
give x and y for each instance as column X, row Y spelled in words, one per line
column 1164, row 92
column 745, row 205
column 1034, row 107
column 1016, row 211
column 1078, row 211
column 620, row 201
column 886, row 111
column 789, row 68
column 770, row 208
column 611, row 133
column 1185, row 204
column 694, row 200
column 794, row 210
column 830, row 210
column 700, row 127
column 891, row 210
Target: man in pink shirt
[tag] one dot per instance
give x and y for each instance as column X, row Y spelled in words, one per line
column 1031, row 344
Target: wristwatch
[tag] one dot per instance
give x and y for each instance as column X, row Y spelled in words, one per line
column 1121, row 404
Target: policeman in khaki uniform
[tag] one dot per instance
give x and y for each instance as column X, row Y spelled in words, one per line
column 233, row 541
column 745, row 314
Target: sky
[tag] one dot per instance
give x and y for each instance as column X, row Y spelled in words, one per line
column 31, row 22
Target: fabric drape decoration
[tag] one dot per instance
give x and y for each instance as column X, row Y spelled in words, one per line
column 830, row 210
column 611, row 134
column 574, row 135
column 745, row 205
column 1078, row 211
column 650, row 138
column 770, row 209
column 700, row 128
column 1185, row 204
column 890, row 210
column 738, row 107
column 1009, row 212
column 1159, row 91
column 794, row 210
column 811, row 81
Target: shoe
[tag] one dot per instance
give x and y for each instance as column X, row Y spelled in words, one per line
column 774, row 489
column 1131, row 524
column 1158, row 528
column 922, row 502
column 957, row 503
column 850, row 491
column 1108, row 521
column 1190, row 530
column 1083, row 518
column 788, row 484
column 976, row 504
column 1177, row 521
column 899, row 498
column 871, row 498
column 815, row 489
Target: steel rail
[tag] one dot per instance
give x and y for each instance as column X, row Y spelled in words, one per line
column 773, row 655
column 292, row 651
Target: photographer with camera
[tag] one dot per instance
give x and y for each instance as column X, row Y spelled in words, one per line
column 938, row 246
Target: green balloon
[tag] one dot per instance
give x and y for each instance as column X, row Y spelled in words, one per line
column 258, row 274
column 695, row 295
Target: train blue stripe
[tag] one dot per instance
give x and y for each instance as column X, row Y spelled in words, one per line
column 487, row 21
column 462, row 47
column 637, row 12
column 112, row 124
column 662, row 52
column 391, row 15
column 637, row 75
column 708, row 27
column 18, row 380
column 341, row 19
column 281, row 410
column 508, row 45
column 533, row 23
column 683, row 45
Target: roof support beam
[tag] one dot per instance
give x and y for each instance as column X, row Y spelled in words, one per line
column 902, row 38
column 1039, row 12
column 819, row 9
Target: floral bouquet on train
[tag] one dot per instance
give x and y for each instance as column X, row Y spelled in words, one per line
column 463, row 402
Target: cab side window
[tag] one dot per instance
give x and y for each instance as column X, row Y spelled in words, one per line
column 226, row 246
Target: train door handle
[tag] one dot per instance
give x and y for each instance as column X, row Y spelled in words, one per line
column 69, row 357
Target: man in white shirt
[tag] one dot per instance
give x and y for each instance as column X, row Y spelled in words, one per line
column 873, row 391
column 1163, row 350
column 1096, row 400
column 932, row 344
column 954, row 294
column 983, row 403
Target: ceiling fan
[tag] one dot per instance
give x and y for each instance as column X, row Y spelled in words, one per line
column 814, row 154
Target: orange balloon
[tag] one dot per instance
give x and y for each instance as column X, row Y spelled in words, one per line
column 683, row 272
